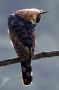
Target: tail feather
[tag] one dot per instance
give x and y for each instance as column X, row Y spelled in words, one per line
column 26, row 72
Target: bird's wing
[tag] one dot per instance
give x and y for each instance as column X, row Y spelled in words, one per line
column 20, row 48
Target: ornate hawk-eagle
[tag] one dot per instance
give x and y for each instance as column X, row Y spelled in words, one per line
column 21, row 26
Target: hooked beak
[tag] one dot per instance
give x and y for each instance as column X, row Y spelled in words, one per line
column 39, row 15
column 42, row 11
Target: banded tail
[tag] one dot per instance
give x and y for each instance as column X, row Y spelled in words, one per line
column 26, row 72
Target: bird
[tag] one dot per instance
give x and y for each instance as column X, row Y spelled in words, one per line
column 21, row 28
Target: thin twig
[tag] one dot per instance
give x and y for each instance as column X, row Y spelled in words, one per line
column 35, row 57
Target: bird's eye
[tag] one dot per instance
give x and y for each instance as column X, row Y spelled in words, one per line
column 38, row 18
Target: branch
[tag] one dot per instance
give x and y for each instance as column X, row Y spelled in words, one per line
column 35, row 57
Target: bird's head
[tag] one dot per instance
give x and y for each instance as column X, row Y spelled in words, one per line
column 33, row 15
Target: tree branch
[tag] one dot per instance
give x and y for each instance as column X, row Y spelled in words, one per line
column 35, row 57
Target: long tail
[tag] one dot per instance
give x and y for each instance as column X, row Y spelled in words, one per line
column 26, row 72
